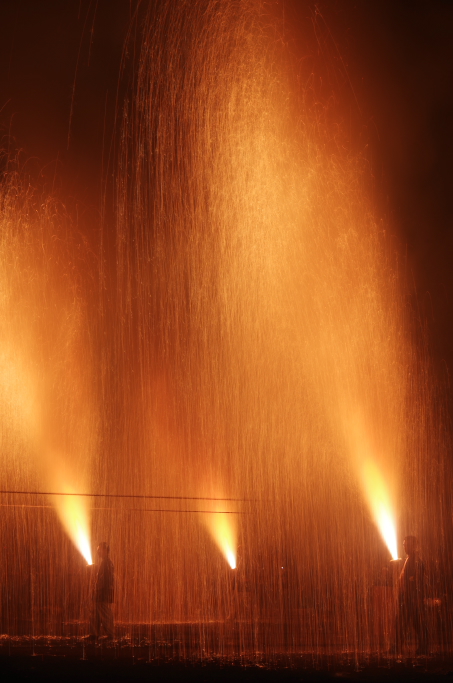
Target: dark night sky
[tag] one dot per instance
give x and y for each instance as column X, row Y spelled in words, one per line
column 63, row 56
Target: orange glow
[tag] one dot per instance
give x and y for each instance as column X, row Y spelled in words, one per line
column 45, row 383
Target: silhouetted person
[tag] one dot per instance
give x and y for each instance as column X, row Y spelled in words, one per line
column 410, row 609
column 102, row 613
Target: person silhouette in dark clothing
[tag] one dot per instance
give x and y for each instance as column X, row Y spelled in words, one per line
column 410, row 608
column 102, row 613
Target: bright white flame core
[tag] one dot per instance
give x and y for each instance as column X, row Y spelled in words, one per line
column 231, row 557
column 388, row 531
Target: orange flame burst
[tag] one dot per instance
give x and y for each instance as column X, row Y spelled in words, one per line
column 72, row 510
column 376, row 487
column 73, row 515
column 378, row 497
column 222, row 527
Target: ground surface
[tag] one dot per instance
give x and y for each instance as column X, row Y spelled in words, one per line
column 72, row 659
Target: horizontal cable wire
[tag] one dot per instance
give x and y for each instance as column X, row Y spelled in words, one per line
column 125, row 495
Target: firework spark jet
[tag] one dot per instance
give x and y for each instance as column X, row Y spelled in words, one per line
column 45, row 385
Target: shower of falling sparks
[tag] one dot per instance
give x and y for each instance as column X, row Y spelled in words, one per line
column 45, row 394
column 260, row 301
column 244, row 359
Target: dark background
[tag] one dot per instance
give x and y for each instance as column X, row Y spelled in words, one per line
column 60, row 89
